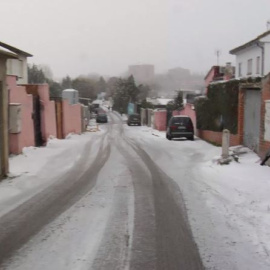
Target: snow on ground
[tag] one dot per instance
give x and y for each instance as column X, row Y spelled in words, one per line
column 228, row 205
column 124, row 117
column 36, row 168
column 72, row 240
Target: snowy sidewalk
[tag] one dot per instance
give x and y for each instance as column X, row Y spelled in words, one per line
column 228, row 205
column 36, row 168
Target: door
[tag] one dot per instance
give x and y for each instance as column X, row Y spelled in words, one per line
column 252, row 118
column 37, row 121
column 146, row 117
column 59, row 118
column 1, row 127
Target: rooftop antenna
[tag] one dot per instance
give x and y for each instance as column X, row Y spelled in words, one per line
column 268, row 25
column 218, row 53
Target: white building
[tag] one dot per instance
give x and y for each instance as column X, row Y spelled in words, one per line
column 17, row 67
column 253, row 57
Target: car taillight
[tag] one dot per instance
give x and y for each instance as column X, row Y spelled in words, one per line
column 190, row 127
column 173, row 127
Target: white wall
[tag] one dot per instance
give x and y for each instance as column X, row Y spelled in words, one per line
column 243, row 57
column 266, row 58
column 253, row 53
column 18, row 67
column 267, row 121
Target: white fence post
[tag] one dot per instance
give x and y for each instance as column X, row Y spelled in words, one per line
column 225, row 143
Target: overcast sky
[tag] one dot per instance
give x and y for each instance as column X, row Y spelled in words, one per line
column 105, row 36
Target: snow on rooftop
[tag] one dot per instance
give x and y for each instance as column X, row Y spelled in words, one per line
column 70, row 90
column 163, row 101
column 97, row 101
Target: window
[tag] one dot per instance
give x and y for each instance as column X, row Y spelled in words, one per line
column 249, row 67
column 258, row 63
column 240, row 69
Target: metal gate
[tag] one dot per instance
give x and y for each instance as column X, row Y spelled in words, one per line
column 37, row 121
column 252, row 118
column 59, row 118
column 1, row 127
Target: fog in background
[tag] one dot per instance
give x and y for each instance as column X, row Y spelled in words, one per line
column 76, row 37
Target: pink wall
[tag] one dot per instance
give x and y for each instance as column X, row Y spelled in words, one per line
column 48, row 118
column 17, row 94
column 189, row 111
column 216, row 137
column 160, row 122
column 71, row 118
column 209, row 78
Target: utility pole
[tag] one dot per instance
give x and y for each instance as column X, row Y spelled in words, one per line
column 218, row 53
column 268, row 25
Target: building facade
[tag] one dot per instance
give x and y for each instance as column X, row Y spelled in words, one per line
column 253, row 57
column 4, row 100
column 142, row 73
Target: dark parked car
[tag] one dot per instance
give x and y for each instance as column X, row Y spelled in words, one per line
column 180, row 126
column 134, row 119
column 102, row 118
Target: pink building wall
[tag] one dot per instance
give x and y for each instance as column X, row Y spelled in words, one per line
column 160, row 120
column 189, row 111
column 71, row 118
column 48, row 118
column 18, row 94
column 216, row 137
column 209, row 78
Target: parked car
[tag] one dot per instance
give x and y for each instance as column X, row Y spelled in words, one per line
column 134, row 119
column 180, row 126
column 102, row 118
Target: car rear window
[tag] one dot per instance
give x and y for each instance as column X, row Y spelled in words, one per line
column 180, row 120
column 134, row 117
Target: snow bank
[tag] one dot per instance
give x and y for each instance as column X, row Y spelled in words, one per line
column 228, row 206
column 36, row 168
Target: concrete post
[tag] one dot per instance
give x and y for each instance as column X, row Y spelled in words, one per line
column 225, row 143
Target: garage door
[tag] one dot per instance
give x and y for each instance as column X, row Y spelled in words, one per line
column 252, row 117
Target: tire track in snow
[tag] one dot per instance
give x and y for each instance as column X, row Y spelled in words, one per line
column 174, row 245
column 19, row 225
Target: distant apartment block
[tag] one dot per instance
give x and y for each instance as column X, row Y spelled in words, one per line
column 179, row 73
column 142, row 73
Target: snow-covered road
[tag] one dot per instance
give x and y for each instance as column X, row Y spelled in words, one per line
column 123, row 198
column 116, row 211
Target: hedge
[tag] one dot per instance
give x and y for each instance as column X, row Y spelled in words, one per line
column 219, row 109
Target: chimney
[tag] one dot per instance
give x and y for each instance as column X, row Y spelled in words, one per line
column 228, row 71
